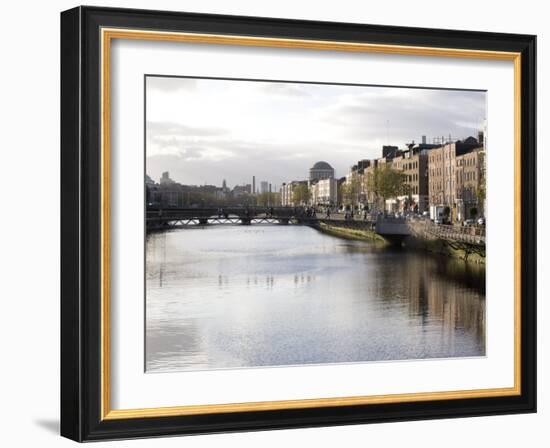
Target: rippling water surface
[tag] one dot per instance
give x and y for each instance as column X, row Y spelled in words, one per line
column 251, row 296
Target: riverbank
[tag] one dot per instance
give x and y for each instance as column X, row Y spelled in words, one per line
column 351, row 233
column 442, row 247
column 355, row 231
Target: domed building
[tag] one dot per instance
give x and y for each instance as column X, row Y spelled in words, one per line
column 321, row 170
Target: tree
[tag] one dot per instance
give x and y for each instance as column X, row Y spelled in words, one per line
column 384, row 183
column 268, row 199
column 275, row 199
column 300, row 194
column 481, row 190
column 350, row 191
column 372, row 183
column 481, row 193
column 408, row 202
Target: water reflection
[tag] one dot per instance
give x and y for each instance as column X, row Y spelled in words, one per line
column 229, row 297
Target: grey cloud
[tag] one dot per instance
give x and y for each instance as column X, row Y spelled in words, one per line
column 272, row 162
column 175, row 129
column 185, row 141
column 357, row 118
column 180, row 149
column 171, row 84
column 402, row 120
column 285, row 89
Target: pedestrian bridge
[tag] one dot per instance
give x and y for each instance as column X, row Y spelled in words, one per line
column 393, row 229
column 181, row 217
column 158, row 219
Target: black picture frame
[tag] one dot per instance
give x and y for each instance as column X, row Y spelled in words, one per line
column 81, row 224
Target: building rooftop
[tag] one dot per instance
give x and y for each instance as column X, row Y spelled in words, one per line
column 321, row 166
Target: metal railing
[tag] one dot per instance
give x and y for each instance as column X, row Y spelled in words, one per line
column 469, row 234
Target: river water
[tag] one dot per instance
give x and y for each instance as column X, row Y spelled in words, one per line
column 267, row 295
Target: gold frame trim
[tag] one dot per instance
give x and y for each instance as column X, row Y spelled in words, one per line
column 107, row 35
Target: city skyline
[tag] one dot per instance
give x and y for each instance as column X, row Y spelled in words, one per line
column 203, row 130
column 220, row 183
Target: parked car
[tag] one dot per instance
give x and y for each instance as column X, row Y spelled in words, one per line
column 481, row 221
column 469, row 222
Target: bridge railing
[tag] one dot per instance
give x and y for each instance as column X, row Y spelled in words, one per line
column 469, row 234
column 221, row 211
column 177, row 217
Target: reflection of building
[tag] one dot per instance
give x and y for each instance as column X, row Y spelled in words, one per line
column 430, row 302
column 321, row 170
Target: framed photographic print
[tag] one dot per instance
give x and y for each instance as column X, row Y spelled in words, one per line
column 273, row 223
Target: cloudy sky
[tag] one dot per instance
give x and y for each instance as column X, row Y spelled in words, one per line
column 204, row 131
